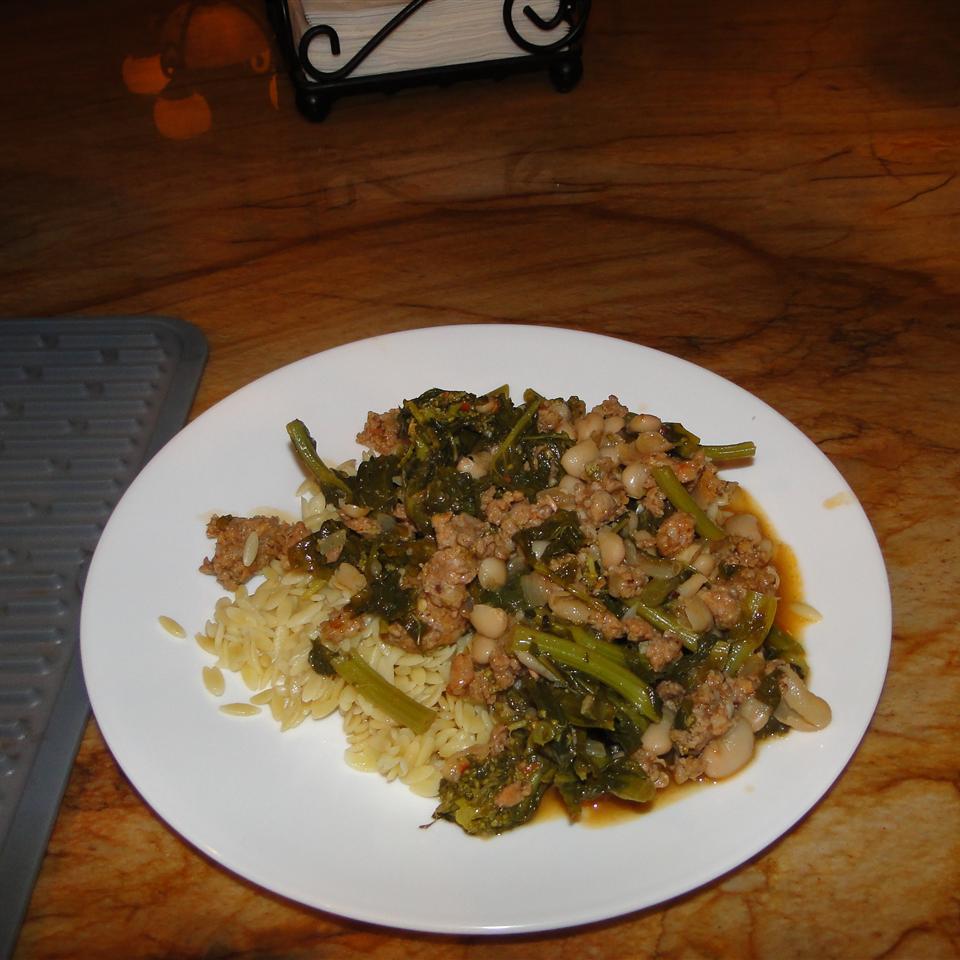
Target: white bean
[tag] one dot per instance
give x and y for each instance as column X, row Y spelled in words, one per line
column 651, row 442
column 727, row 754
column 575, row 460
column 570, row 485
column 588, row 426
column 744, row 525
column 490, row 621
column 470, row 467
column 634, row 479
column 350, row 578
column 492, row 573
column 613, row 424
column 645, row 423
column 610, row 451
column 691, row 585
column 482, row 648
column 536, row 590
column 755, row 712
column 656, row 738
column 570, row 608
column 612, row 548
column 815, row 710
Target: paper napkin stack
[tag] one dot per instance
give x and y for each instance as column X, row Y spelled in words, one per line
column 439, row 33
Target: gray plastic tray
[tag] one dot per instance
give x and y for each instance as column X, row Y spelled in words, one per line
column 84, row 404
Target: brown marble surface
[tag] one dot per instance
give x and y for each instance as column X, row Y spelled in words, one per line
column 768, row 189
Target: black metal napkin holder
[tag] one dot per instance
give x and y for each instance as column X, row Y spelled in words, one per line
column 316, row 89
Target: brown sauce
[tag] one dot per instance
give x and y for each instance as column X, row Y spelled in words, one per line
column 784, row 559
column 610, row 811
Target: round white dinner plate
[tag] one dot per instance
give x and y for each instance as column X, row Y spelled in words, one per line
column 285, row 811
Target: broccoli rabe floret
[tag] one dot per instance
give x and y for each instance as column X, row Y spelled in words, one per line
column 497, row 791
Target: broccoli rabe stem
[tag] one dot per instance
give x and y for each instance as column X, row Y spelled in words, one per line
column 383, row 694
column 719, row 452
column 664, row 621
column 747, row 636
column 676, row 493
column 307, row 451
column 596, row 663
column 518, row 428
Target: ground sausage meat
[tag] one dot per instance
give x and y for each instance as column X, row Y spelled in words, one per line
column 724, row 604
column 443, row 593
column 231, row 534
column 463, row 530
column 675, row 534
column 382, row 433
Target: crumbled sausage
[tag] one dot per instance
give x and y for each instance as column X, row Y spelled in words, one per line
column 381, row 434
column 661, row 651
column 275, row 538
column 724, row 603
column 611, row 407
column 443, row 581
column 463, row 530
column 675, row 534
column 512, row 512
column 712, row 707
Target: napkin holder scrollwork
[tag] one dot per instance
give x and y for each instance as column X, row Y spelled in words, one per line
column 522, row 40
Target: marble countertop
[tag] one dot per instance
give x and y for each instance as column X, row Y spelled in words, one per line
column 767, row 190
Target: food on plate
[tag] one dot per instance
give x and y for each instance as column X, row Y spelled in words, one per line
column 506, row 598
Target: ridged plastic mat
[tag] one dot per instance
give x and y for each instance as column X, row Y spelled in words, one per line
column 84, row 404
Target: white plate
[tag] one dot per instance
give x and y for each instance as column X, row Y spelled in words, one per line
column 284, row 811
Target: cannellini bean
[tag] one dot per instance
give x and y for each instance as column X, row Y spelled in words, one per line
column 482, row 648
column 744, row 525
column 691, row 585
column 727, row 754
column 570, row 485
column 613, row 424
column 786, row 714
column 490, row 621
column 635, row 479
column 570, row 608
column 656, row 738
column 536, row 590
column 755, row 712
column 813, row 709
column 576, row 459
column 610, row 451
column 698, row 613
column 350, row 578
column 469, row 466
column 651, row 442
column 612, row 548
column 492, row 573
column 644, row 423
column 588, row 426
